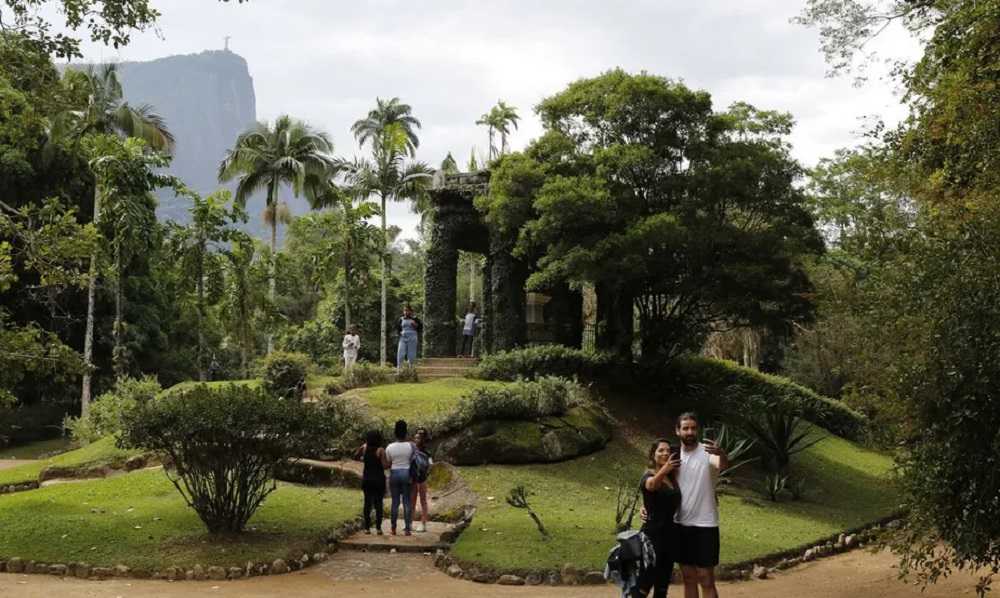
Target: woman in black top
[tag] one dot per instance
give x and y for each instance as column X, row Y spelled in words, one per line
column 373, row 478
column 660, row 496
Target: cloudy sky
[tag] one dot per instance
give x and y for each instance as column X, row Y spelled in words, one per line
column 327, row 61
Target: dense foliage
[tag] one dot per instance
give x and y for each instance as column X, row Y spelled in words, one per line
column 223, row 444
column 544, row 360
column 107, row 413
column 284, row 374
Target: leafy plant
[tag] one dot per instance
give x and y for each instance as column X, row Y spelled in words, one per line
column 366, row 375
column 737, row 446
column 520, row 400
column 223, row 445
column 774, row 485
column 796, row 487
column 518, row 498
column 107, row 413
column 627, row 494
column 407, row 375
column 780, row 432
column 544, row 360
column 285, row 374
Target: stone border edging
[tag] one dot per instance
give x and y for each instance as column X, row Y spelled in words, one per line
column 760, row 567
column 17, row 565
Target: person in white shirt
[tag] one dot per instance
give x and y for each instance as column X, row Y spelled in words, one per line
column 351, row 344
column 697, row 517
column 398, row 456
column 469, row 330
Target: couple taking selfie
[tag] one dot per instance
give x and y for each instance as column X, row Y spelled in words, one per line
column 680, row 515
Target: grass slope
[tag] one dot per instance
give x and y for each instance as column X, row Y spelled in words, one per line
column 102, row 451
column 36, row 449
column 575, row 500
column 141, row 520
column 418, row 402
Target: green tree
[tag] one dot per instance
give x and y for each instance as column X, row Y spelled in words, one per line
column 692, row 220
column 388, row 176
column 197, row 248
column 449, row 165
column 242, row 297
column 489, row 120
column 124, row 171
column 356, row 237
column 267, row 157
column 104, row 113
column 498, row 121
column 388, row 112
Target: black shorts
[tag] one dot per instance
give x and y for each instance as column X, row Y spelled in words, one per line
column 698, row 546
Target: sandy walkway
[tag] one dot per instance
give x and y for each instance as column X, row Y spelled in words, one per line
column 855, row 574
column 8, row 463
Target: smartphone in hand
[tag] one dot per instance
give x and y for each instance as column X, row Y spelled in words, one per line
column 710, row 434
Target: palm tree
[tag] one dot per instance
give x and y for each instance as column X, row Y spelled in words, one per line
column 105, row 112
column 384, row 114
column 388, row 177
column 267, row 157
column 504, row 116
column 358, row 236
column 490, row 122
column 124, row 172
column 241, row 294
column 197, row 247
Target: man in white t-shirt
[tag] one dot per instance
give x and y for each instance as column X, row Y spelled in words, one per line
column 697, row 517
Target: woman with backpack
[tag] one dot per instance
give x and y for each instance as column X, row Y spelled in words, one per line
column 372, row 478
column 422, row 469
column 399, row 458
column 660, row 497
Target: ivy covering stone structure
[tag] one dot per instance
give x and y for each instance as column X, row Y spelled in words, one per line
column 456, row 226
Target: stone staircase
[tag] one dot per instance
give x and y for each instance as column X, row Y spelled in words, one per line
column 444, row 367
column 438, row 536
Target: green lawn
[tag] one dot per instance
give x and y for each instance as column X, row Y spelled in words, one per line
column 575, row 500
column 419, row 402
column 141, row 520
column 35, row 449
column 102, row 451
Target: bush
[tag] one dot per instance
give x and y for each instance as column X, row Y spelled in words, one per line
column 518, row 401
column 105, row 417
column 779, row 433
column 719, row 388
column 355, row 419
column 366, row 375
column 27, row 423
column 224, row 444
column 285, row 374
column 544, row 360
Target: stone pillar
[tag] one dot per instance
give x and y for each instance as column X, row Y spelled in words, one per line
column 507, row 281
column 440, row 280
column 485, row 341
column 615, row 329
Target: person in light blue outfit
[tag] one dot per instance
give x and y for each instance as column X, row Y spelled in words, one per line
column 408, row 327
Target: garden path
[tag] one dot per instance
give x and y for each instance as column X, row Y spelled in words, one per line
column 9, row 463
column 849, row 575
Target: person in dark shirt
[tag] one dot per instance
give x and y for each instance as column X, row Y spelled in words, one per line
column 373, row 478
column 660, row 497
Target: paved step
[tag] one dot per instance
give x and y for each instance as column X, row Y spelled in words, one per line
column 448, row 362
column 441, row 371
column 438, row 535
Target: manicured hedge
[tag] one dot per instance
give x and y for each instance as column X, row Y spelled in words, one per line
column 715, row 386
column 544, row 360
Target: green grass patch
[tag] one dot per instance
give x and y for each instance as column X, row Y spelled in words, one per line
column 102, row 451
column 35, row 450
column 850, row 486
column 419, row 402
column 141, row 520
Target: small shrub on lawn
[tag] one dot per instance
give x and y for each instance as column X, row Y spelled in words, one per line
column 366, row 375
column 774, row 485
column 407, row 375
column 544, row 360
column 779, row 432
column 285, row 374
column 521, row 400
column 518, row 498
column 105, row 416
column 224, row 444
column 796, row 487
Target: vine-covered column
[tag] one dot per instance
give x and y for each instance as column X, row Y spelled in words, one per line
column 507, row 281
column 485, row 340
column 440, row 280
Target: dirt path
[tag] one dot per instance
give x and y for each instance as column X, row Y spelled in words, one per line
column 849, row 575
column 9, row 463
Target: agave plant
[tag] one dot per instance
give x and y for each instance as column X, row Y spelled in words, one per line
column 780, row 432
column 737, row 446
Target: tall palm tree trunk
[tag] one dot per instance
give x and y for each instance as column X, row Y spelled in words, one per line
column 202, row 374
column 347, row 281
column 273, row 266
column 118, row 357
column 385, row 250
column 88, row 339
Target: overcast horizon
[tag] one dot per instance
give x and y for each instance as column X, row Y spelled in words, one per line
column 451, row 62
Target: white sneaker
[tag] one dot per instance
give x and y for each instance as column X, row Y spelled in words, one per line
column 421, row 527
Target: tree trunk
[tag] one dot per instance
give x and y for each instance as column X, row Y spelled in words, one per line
column 273, row 270
column 118, row 357
column 202, row 375
column 88, row 340
column 347, row 282
column 385, row 250
column 472, row 280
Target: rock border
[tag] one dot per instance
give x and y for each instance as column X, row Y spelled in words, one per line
column 758, row 568
column 17, row 565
